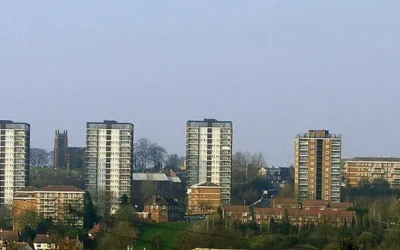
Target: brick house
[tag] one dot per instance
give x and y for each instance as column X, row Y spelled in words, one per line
column 163, row 209
column 237, row 213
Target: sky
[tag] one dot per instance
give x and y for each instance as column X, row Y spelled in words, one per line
column 275, row 68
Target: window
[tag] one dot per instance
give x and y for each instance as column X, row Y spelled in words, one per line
column 311, row 180
column 326, row 181
column 326, row 198
column 327, row 158
column 326, row 169
column 312, row 169
column 327, row 152
column 326, row 163
column 311, row 192
column 327, row 175
column 312, row 151
column 312, row 163
column 327, row 146
column 311, row 186
column 312, row 157
column 326, row 192
column 312, row 146
column 326, row 186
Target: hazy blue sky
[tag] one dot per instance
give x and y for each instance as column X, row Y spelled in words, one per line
column 275, row 68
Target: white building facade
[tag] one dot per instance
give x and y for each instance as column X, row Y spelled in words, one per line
column 14, row 158
column 209, row 154
column 109, row 159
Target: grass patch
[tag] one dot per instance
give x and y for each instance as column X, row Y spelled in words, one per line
column 170, row 237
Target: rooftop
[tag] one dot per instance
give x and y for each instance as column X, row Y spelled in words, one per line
column 49, row 188
column 154, row 177
column 344, row 205
column 61, row 188
column 314, row 203
column 28, row 189
column 45, row 238
column 381, row 159
column 8, row 235
column 236, row 208
column 285, row 201
column 318, row 134
column 205, row 184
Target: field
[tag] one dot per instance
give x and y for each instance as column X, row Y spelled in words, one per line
column 169, row 232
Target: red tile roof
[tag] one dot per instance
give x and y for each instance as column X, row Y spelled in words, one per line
column 236, row 209
column 289, row 201
column 7, row 235
column 270, row 211
column 314, row 203
column 28, row 189
column 45, row 238
column 343, row 205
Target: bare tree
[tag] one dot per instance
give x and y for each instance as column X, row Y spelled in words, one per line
column 173, row 162
column 142, row 153
column 39, row 157
column 157, row 155
column 245, row 166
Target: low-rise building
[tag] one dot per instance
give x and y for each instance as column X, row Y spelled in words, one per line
column 237, row 213
column 163, row 209
column 60, row 202
column 285, row 203
column 372, row 168
column 203, row 198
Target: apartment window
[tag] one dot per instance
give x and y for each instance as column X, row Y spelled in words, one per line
column 312, row 157
column 327, row 158
column 326, row 198
column 312, row 146
column 327, row 175
column 311, row 186
column 326, row 163
column 312, row 151
column 312, row 140
column 326, row 192
column 326, row 181
column 311, row 180
column 312, row 169
column 311, row 192
column 326, row 186
column 326, row 169
column 327, row 152
column 312, row 163
column 327, row 146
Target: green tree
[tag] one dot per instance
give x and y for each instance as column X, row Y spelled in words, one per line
column 124, row 200
column 89, row 213
column 156, row 243
column 6, row 216
column 366, row 240
column 28, row 219
column 347, row 244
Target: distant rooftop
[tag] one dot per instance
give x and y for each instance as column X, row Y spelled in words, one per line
column 318, row 134
column 49, row 188
column 206, row 184
column 9, row 124
column 382, row 159
column 154, row 177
